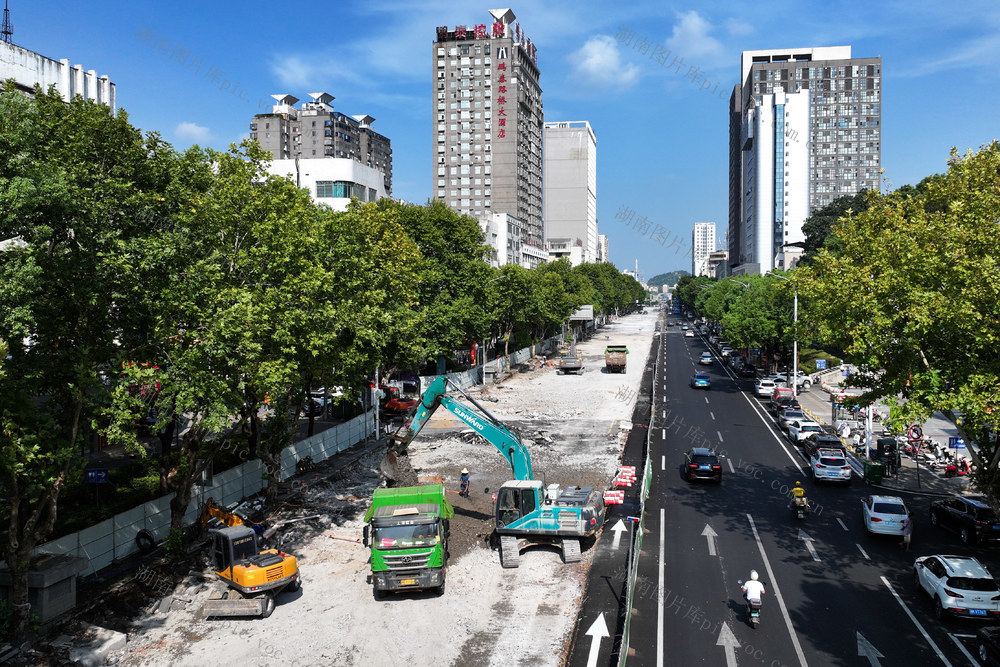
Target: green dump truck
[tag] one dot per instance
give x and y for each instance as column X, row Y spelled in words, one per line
column 615, row 358
column 407, row 530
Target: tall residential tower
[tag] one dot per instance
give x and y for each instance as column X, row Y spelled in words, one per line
column 570, row 191
column 487, row 120
column 804, row 129
column 702, row 245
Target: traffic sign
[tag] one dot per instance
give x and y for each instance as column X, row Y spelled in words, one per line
column 845, row 371
column 821, row 364
column 915, row 432
column 97, row 476
column 955, row 442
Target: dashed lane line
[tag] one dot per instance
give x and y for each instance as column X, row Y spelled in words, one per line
column 915, row 621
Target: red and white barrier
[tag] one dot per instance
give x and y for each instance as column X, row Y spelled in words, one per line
column 614, row 497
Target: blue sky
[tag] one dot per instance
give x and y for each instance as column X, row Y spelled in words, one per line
column 662, row 142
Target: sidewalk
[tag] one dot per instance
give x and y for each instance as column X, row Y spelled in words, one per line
column 817, row 404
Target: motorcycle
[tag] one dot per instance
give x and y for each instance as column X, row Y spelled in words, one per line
column 753, row 612
column 800, row 507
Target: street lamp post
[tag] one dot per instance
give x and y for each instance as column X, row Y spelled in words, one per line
column 794, row 375
column 493, row 280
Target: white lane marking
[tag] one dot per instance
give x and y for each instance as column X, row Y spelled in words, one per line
column 867, row 650
column 711, row 414
column 770, row 428
column 663, row 462
column 731, row 468
column 728, row 641
column 809, row 544
column 915, row 621
column 663, row 434
column 863, row 553
column 777, row 593
column 961, row 648
column 664, row 414
column 706, row 399
column 719, row 433
column 618, row 529
column 709, row 535
column 597, row 632
column 842, row 524
column 659, row 592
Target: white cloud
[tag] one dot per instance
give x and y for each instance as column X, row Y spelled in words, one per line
column 295, row 73
column 193, row 132
column 598, row 62
column 691, row 40
column 737, row 28
column 971, row 54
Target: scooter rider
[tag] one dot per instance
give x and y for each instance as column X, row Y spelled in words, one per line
column 798, row 496
column 753, row 589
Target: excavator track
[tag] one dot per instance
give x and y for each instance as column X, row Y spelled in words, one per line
column 571, row 551
column 510, row 556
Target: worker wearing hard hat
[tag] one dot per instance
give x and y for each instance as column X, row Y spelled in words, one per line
column 464, row 483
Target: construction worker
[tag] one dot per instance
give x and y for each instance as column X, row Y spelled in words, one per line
column 464, row 483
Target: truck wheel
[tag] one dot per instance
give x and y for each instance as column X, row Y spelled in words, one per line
column 441, row 589
column 296, row 585
column 509, row 555
column 268, row 605
column 571, row 551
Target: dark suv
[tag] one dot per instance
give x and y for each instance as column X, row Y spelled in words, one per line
column 702, row 463
column 969, row 516
column 818, row 441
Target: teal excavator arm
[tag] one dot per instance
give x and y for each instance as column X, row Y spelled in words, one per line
column 504, row 439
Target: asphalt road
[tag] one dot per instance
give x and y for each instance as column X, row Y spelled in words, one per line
column 835, row 595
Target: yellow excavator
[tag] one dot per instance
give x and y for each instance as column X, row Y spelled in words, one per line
column 255, row 576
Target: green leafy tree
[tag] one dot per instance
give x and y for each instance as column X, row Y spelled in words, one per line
column 78, row 189
column 913, row 298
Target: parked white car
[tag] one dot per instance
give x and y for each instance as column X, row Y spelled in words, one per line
column 763, row 388
column 959, row 586
column 830, row 465
column 800, row 429
column 802, row 381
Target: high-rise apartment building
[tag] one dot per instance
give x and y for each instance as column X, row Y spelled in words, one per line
column 602, row 248
column 570, row 190
column 804, row 129
column 702, row 245
column 317, row 132
column 487, row 124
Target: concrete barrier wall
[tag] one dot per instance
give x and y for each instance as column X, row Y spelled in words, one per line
column 114, row 539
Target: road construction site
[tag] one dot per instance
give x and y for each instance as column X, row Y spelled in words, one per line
column 574, row 427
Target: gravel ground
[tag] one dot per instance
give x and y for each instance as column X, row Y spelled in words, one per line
column 488, row 615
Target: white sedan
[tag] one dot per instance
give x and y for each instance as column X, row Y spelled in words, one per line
column 884, row 514
column 689, row 334
column 800, row 429
column 763, row 388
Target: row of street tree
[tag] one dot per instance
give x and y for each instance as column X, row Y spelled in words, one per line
column 137, row 276
column 907, row 286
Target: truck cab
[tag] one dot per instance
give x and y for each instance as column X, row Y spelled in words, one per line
column 407, row 530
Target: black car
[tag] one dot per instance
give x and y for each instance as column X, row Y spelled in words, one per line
column 988, row 640
column 969, row 516
column 748, row 371
column 820, row 441
column 702, row 463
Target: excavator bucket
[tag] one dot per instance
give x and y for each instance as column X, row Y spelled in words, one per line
column 397, row 469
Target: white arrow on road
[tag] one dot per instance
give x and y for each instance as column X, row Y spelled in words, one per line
column 710, row 535
column 866, row 649
column 599, row 630
column 728, row 640
column 618, row 529
column 809, row 544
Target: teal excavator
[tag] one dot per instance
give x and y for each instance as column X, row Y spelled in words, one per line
column 527, row 511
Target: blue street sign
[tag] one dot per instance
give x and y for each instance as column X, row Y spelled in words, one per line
column 97, row 476
column 955, row 442
column 821, row 364
column 846, row 371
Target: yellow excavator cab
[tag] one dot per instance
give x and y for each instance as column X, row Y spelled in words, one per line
column 254, row 576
